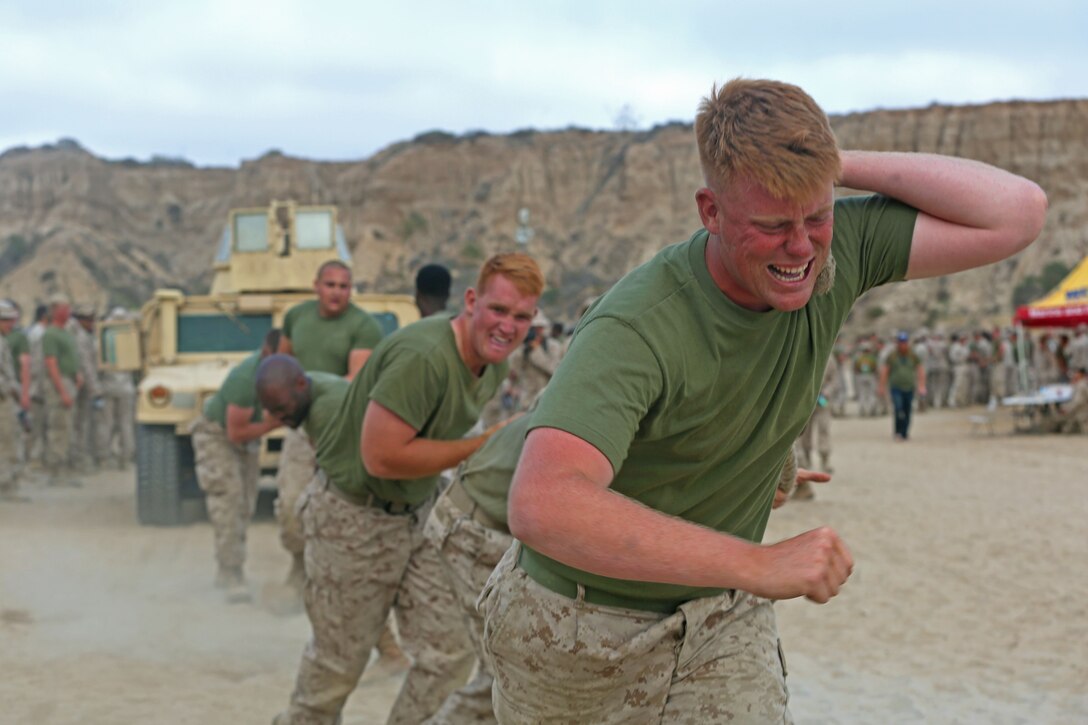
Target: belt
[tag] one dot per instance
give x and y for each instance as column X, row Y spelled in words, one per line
column 396, row 508
column 461, row 498
column 569, row 589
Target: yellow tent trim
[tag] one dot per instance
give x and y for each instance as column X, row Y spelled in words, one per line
column 1073, row 290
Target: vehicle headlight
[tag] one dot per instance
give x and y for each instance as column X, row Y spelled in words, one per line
column 159, row 396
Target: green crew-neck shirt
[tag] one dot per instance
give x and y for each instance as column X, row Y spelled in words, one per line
column 903, row 370
column 20, row 346
column 696, row 401
column 327, row 392
column 240, row 389
column 324, row 344
column 487, row 473
column 60, row 344
column 418, row 374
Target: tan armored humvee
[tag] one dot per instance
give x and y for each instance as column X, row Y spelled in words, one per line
column 184, row 345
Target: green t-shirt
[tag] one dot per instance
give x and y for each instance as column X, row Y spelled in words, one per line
column 903, row 370
column 696, row 401
column 20, row 346
column 240, row 389
column 325, row 344
column 419, row 375
column 326, row 393
column 487, row 473
column 60, row 344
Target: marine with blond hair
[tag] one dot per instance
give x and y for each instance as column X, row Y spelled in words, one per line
column 399, row 426
column 640, row 591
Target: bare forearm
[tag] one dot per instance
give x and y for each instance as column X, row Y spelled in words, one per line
column 612, row 535
column 251, row 431
column 24, row 375
column 971, row 214
column 961, row 191
column 421, row 457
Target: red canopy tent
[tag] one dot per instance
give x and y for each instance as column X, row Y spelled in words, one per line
column 1066, row 306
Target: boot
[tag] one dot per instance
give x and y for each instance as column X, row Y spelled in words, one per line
column 233, row 584
column 803, row 492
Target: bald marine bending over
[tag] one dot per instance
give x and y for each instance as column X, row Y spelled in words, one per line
column 641, row 592
column 401, row 423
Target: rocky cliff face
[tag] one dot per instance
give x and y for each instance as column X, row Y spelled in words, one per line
column 600, row 203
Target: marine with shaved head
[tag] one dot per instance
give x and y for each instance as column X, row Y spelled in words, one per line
column 329, row 334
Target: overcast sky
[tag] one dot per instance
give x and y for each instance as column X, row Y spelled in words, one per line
column 220, row 81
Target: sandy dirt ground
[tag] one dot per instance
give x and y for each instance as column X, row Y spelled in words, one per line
column 969, row 601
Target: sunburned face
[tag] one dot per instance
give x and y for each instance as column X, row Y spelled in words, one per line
column 499, row 319
column 766, row 253
column 61, row 313
column 333, row 290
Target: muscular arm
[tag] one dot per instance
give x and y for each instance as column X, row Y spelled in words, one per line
column 241, row 430
column 971, row 215
column 356, row 360
column 24, row 379
column 612, row 535
column 390, row 448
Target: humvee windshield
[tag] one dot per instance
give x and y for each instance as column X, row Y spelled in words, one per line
column 251, row 232
column 222, row 333
column 313, row 230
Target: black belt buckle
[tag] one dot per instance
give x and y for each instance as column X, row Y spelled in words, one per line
column 397, row 509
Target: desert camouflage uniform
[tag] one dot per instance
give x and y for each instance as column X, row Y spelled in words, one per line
column 938, row 373
column 35, row 447
column 865, row 382
column 715, row 659
column 982, row 361
column 959, row 355
column 297, row 465
column 59, row 431
column 535, row 367
column 1077, row 352
column 228, row 475
column 1073, row 416
column 10, row 432
column 360, row 563
column 469, row 551
column 86, row 420
column 118, row 411
column 819, row 424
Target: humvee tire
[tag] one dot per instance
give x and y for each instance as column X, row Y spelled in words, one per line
column 167, row 493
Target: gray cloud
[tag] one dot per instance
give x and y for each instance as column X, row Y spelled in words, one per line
column 222, row 81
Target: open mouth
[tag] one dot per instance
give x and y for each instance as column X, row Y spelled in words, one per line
column 500, row 342
column 790, row 274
